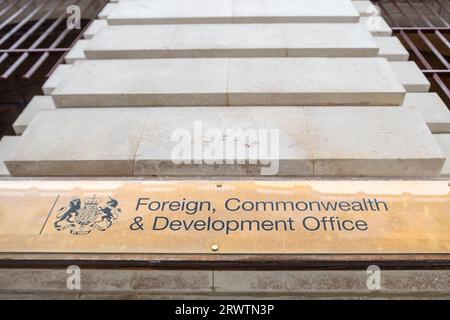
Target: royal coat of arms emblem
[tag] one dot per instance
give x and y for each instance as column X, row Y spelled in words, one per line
column 81, row 218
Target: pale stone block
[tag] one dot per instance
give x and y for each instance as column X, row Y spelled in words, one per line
column 197, row 82
column 115, row 42
column 106, row 11
column 232, row 40
column 315, row 141
column 313, row 81
column 94, row 28
column 365, row 8
column 329, row 40
column 262, row 11
column 443, row 141
column 7, row 145
column 77, row 52
column 371, row 142
column 228, row 40
column 79, row 142
column 432, row 109
column 411, row 77
column 169, row 12
column 56, row 78
column 237, row 11
column 154, row 155
column 391, row 48
column 376, row 25
column 156, row 82
column 36, row 105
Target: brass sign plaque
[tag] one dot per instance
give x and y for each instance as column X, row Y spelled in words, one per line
column 352, row 217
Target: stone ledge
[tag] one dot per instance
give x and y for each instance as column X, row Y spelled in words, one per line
column 237, row 81
column 314, row 141
column 232, row 40
column 231, row 11
column 278, row 284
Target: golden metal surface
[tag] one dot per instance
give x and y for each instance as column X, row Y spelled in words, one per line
column 190, row 217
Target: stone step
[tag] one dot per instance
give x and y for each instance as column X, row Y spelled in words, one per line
column 79, row 142
column 36, row 105
column 7, row 145
column 300, row 141
column 432, row 109
column 411, row 77
column 232, row 40
column 203, row 82
column 230, row 11
column 77, row 52
column 55, row 78
column 94, row 28
column 443, row 140
column 391, row 48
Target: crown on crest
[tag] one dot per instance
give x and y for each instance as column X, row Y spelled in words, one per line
column 92, row 201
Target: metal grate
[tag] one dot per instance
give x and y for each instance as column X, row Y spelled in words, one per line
column 33, row 41
column 424, row 29
column 36, row 30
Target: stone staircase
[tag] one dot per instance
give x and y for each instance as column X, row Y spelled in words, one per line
column 324, row 75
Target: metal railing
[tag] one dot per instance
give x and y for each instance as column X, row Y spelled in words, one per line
column 33, row 30
column 424, row 29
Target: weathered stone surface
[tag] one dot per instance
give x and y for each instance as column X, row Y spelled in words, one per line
column 319, row 282
column 105, row 281
column 336, row 141
column 410, row 76
column 144, row 83
column 56, row 78
column 207, row 284
column 377, row 26
column 313, row 81
column 94, row 28
column 391, row 48
column 77, row 52
column 198, row 82
column 79, row 142
column 258, row 11
column 228, row 11
column 36, row 105
column 443, row 141
column 371, row 142
column 232, row 40
column 154, row 155
column 432, row 109
column 347, row 141
column 7, row 145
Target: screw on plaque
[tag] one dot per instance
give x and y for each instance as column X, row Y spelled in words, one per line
column 215, row 247
column 219, row 185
